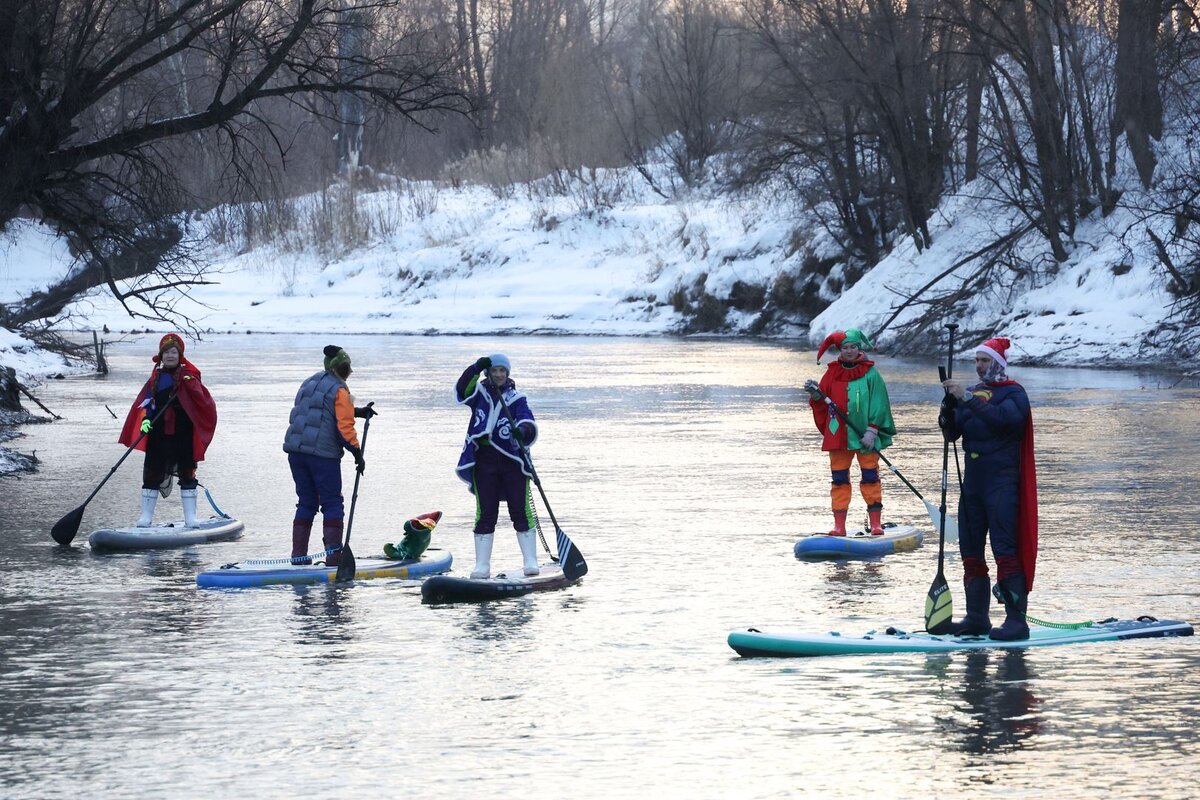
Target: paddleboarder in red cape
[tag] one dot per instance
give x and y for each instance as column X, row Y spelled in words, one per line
column 999, row 491
column 178, row 440
column 857, row 388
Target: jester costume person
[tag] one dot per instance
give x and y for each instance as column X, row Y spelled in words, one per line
column 320, row 429
column 857, row 388
column 178, row 417
column 492, row 463
column 999, row 492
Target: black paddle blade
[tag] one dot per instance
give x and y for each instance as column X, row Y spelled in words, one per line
column 569, row 557
column 939, row 606
column 65, row 529
column 346, row 566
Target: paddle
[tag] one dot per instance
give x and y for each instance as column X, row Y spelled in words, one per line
column 346, row 566
column 569, row 557
column 951, row 525
column 65, row 529
column 939, row 604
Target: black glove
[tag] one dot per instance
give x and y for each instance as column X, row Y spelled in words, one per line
column 946, row 413
column 360, row 463
column 483, row 364
column 366, row 412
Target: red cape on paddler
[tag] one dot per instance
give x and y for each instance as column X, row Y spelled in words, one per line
column 191, row 395
column 1027, row 511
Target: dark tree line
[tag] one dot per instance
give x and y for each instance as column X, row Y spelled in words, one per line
column 119, row 116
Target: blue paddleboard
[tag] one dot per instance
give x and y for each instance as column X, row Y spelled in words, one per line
column 248, row 573
column 860, row 543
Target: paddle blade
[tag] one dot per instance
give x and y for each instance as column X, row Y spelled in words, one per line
column 346, row 566
column 935, row 516
column 65, row 529
column 939, row 608
column 573, row 565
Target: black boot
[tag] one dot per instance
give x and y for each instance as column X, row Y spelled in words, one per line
column 1011, row 592
column 976, row 622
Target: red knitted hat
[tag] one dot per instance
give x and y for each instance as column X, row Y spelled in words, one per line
column 170, row 340
column 996, row 348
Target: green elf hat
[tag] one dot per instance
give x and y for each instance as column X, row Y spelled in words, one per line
column 335, row 357
column 855, row 336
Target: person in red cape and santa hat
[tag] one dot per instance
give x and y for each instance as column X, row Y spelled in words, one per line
column 179, row 417
column 999, row 491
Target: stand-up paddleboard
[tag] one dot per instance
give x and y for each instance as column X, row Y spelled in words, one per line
column 171, row 534
column 449, row 589
column 753, row 642
column 249, row 573
column 860, row 543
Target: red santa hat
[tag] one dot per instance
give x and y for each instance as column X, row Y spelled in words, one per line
column 996, row 348
column 833, row 340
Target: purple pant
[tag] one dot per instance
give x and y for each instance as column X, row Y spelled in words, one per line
column 318, row 484
column 497, row 477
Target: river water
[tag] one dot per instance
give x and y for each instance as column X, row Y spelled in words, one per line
column 685, row 471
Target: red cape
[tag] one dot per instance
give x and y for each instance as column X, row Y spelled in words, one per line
column 1027, row 505
column 190, row 393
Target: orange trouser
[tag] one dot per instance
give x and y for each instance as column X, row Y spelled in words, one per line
column 869, row 485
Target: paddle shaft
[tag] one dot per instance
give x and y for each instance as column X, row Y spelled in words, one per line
column 128, row 450
column 846, row 419
column 952, row 327
column 347, row 556
column 529, row 463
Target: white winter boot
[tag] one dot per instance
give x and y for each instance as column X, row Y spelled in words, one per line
column 528, row 551
column 149, row 498
column 483, row 555
column 188, row 496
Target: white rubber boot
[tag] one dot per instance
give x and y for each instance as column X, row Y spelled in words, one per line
column 188, row 496
column 483, row 555
column 528, row 551
column 149, row 498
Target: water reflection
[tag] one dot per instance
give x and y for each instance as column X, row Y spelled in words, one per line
column 325, row 617
column 489, row 622
column 850, row 582
column 1002, row 710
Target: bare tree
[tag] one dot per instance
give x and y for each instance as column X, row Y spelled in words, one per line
column 91, row 99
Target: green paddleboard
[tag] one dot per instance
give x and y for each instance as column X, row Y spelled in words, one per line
column 754, row 642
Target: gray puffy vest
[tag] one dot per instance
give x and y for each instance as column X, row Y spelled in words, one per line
column 313, row 426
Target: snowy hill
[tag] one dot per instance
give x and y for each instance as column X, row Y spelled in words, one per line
column 464, row 260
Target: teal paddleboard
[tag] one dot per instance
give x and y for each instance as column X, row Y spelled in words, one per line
column 754, row 642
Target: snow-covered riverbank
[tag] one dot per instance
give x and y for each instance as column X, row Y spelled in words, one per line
column 464, row 261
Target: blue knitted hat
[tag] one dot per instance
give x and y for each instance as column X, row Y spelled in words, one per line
column 501, row 360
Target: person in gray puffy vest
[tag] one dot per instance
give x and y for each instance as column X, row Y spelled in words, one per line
column 321, row 428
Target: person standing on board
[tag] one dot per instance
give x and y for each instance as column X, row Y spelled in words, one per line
column 491, row 463
column 857, row 388
column 999, row 491
column 320, row 429
column 179, row 417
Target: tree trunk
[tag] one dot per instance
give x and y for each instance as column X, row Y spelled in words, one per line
column 1139, row 110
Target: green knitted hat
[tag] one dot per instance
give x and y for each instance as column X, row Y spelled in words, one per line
column 855, row 336
column 335, row 357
